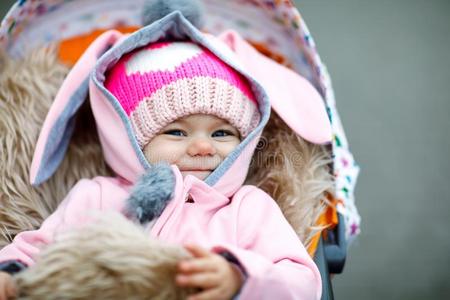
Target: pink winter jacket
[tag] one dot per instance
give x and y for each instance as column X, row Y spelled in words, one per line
column 224, row 215
column 249, row 225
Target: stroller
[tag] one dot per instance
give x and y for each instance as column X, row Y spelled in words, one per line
column 275, row 28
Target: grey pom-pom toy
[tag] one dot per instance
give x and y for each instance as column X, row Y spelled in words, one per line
column 156, row 9
column 151, row 193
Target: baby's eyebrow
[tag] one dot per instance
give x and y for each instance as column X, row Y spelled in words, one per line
column 221, row 122
column 179, row 121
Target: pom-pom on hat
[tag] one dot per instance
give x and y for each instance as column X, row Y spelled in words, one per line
column 164, row 81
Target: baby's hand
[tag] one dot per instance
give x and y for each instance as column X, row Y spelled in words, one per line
column 7, row 287
column 210, row 272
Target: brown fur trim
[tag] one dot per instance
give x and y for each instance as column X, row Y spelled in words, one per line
column 295, row 173
column 108, row 259
column 27, row 89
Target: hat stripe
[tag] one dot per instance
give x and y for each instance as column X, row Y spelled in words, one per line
column 161, row 58
column 152, row 81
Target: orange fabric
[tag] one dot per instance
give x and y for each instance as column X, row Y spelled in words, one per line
column 263, row 49
column 71, row 49
column 329, row 219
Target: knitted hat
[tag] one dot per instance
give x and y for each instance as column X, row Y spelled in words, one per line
column 165, row 81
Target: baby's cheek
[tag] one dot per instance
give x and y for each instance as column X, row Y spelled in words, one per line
column 167, row 152
column 227, row 149
column 172, row 153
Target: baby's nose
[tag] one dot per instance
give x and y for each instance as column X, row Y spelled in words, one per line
column 201, row 146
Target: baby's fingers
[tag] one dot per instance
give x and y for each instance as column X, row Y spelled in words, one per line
column 7, row 286
column 12, row 291
column 198, row 280
column 197, row 251
column 207, row 295
column 196, row 265
column 7, row 292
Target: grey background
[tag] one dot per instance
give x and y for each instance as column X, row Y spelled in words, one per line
column 389, row 61
column 390, row 65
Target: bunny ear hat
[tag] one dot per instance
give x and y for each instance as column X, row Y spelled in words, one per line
column 295, row 100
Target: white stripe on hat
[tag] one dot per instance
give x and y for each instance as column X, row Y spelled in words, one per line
column 166, row 58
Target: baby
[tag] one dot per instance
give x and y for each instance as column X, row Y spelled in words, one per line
column 178, row 102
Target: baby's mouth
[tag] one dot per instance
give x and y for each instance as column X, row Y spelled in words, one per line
column 199, row 173
column 200, row 168
column 194, row 169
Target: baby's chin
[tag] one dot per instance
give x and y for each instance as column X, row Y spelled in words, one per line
column 199, row 174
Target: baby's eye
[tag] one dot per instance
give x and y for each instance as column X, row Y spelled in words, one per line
column 175, row 132
column 221, row 133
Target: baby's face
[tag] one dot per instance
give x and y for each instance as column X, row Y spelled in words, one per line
column 197, row 144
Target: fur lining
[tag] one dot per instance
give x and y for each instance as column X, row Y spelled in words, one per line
column 28, row 87
column 108, row 259
column 296, row 173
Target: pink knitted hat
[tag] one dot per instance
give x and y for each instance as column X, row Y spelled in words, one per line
column 165, row 81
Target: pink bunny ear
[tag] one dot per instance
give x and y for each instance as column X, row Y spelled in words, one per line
column 58, row 125
column 291, row 96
